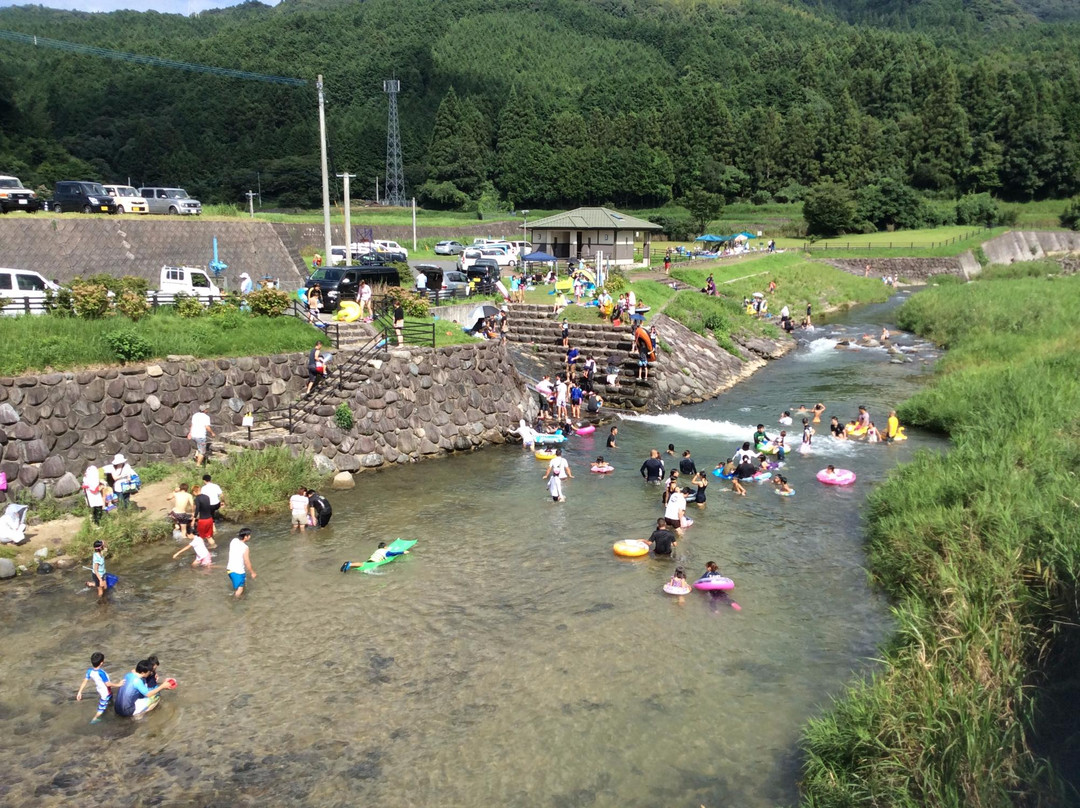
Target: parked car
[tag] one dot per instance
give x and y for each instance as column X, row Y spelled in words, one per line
column 14, row 196
column 341, row 283
column 503, row 256
column 448, row 282
column 24, row 291
column 188, row 281
column 467, row 258
column 172, row 201
column 449, row 248
column 81, row 195
column 127, row 199
column 483, row 275
column 382, row 245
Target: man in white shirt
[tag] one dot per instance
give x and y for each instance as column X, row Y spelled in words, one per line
column 298, row 508
column 543, row 391
column 421, row 281
column 213, row 493
column 560, row 399
column 675, row 509
column 239, row 564
column 200, row 429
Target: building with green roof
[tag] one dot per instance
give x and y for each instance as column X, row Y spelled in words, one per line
column 583, row 232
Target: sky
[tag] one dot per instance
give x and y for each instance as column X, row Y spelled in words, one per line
column 164, row 6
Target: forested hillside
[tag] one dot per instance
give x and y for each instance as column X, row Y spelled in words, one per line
column 552, row 102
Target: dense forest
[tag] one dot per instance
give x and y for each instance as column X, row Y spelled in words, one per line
column 559, row 102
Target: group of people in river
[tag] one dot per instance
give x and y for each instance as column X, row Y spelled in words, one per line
column 135, row 695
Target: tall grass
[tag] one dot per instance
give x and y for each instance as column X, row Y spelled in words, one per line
column 39, row 342
column 258, row 482
column 980, row 548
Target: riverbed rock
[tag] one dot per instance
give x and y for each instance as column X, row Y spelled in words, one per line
column 65, row 562
column 323, row 464
column 372, row 460
column 343, row 481
column 44, row 568
column 8, row 415
column 7, row 568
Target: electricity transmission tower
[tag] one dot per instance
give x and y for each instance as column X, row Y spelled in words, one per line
column 395, row 177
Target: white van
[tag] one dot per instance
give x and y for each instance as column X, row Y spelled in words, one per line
column 127, row 199
column 383, row 245
column 24, row 291
column 188, row 281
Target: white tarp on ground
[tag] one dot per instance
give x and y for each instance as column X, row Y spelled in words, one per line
column 13, row 524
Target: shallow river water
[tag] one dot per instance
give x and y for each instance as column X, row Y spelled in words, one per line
column 511, row 659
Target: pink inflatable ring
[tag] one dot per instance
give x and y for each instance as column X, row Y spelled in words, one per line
column 838, row 477
column 714, row 583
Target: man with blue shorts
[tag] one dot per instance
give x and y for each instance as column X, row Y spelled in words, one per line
column 239, row 565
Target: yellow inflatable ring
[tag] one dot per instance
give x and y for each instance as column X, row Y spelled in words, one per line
column 544, row 454
column 348, row 311
column 631, row 548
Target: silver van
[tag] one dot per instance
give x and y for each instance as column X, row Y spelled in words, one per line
column 171, row 201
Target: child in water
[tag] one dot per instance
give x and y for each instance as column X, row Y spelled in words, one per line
column 602, row 465
column 678, row 580
column 711, row 570
column 96, row 674
column 782, row 486
column 830, row 472
column 872, row 435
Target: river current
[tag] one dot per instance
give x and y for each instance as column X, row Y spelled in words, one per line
column 511, row 659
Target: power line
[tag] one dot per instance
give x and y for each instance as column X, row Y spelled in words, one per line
column 153, row 61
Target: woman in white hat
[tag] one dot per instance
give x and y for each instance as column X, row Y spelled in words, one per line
column 246, row 286
column 121, row 481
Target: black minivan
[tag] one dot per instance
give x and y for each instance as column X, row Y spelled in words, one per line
column 84, row 196
column 341, row 283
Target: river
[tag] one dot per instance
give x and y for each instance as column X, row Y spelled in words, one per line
column 511, row 659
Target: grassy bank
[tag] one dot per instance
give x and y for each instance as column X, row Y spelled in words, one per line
column 253, row 483
column 979, row 548
column 798, row 282
column 38, row 342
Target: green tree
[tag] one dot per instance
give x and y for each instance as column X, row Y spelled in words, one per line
column 455, row 157
column 889, row 204
column 704, row 207
column 829, row 210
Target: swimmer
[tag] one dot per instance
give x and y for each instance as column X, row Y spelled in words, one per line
column 818, row 409
column 781, row 484
column 807, row 435
column 760, row 437
column 602, row 465
column 836, row 429
column 743, row 454
column 780, row 442
column 678, row 580
column 701, row 480
column 671, row 449
column 885, row 334
column 864, row 418
column 893, row 427
column 663, row 541
column 785, row 419
column 380, row 553
column 711, row 570
column 872, row 435
column 737, row 487
column 830, row 472
column 803, row 408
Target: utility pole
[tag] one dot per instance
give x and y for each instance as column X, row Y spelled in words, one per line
column 414, row 224
column 325, row 178
column 346, row 176
column 251, row 202
column 376, row 189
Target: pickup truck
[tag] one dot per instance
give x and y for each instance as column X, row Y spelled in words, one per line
column 188, row 281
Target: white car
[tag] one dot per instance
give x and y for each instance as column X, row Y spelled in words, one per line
column 24, row 290
column 391, row 246
column 128, row 200
column 503, row 256
column 467, row 258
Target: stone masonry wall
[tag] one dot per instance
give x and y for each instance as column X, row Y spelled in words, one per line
column 53, row 425
column 421, row 402
column 412, row 404
column 910, row 269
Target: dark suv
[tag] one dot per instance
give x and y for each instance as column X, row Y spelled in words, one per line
column 484, row 274
column 14, row 196
column 85, row 196
column 342, row 283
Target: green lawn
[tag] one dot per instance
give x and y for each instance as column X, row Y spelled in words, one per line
column 62, row 343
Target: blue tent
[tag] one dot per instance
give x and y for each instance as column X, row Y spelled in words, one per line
column 539, row 256
column 748, row 235
column 708, row 237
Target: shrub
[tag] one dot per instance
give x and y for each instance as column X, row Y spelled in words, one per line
column 413, row 304
column 122, row 532
column 980, row 209
column 90, row 300
column 343, row 416
column 3, row 302
column 1070, row 217
column 615, row 280
column 403, row 272
column 677, row 227
column 268, row 302
column 1009, row 217
column 188, row 306
column 128, row 346
column 132, row 305
column 60, row 303
column 891, row 204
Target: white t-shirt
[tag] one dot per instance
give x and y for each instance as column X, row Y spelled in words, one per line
column 560, row 392
column 631, row 302
column 559, row 467
column 298, row 504
column 199, row 422
column 421, row 280
column 365, row 292
column 676, row 504
column 213, row 492
column 236, row 556
column 199, row 546
column 543, row 387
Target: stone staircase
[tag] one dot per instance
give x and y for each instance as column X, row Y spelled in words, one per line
column 536, row 344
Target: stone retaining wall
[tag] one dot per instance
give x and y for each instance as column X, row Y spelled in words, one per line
column 421, row 402
column 910, row 269
column 412, row 404
column 53, row 425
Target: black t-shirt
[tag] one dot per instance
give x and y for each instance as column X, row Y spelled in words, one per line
column 203, row 508
column 662, row 541
column 592, row 406
column 399, row 313
column 836, row 429
column 745, row 470
column 686, row 466
column 653, row 469
column 610, row 441
column 321, row 504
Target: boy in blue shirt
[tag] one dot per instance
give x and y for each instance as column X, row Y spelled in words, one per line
column 96, row 674
column 133, row 697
